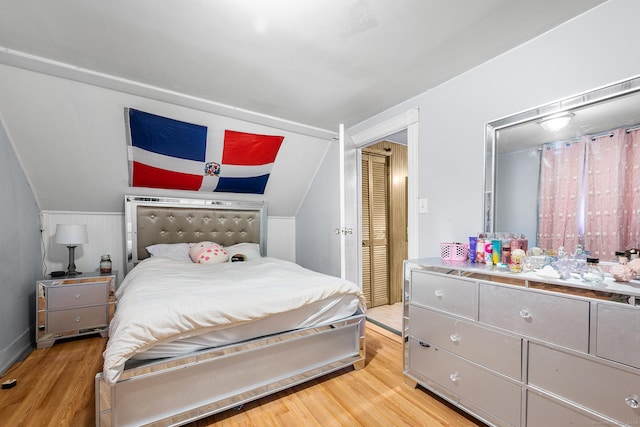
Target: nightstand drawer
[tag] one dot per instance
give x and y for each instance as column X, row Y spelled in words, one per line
column 78, row 318
column 66, row 296
column 450, row 294
column 559, row 320
column 495, row 350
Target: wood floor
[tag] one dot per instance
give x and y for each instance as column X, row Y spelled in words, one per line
column 55, row 388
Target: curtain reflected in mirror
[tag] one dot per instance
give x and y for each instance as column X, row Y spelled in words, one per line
column 577, row 185
column 589, row 193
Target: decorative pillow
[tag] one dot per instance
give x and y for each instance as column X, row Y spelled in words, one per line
column 208, row 253
column 243, row 252
column 176, row 251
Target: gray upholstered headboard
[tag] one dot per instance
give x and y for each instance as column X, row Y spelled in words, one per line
column 153, row 220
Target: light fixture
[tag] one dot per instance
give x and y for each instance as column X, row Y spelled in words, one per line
column 555, row 122
column 71, row 235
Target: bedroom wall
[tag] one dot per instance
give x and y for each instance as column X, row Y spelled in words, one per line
column 71, row 139
column 595, row 49
column 20, row 254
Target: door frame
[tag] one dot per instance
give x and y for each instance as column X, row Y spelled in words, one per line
column 408, row 120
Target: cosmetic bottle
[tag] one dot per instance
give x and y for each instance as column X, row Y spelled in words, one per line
column 506, row 248
column 480, row 248
column 488, row 249
column 592, row 273
column 496, row 251
column 473, row 244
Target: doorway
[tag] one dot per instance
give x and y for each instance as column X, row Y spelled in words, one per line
column 384, row 182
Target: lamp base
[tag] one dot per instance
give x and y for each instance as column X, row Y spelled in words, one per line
column 71, row 268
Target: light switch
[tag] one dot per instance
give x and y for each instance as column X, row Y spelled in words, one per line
column 423, row 206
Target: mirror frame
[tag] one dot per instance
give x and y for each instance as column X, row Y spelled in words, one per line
column 604, row 93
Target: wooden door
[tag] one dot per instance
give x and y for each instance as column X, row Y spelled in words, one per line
column 375, row 252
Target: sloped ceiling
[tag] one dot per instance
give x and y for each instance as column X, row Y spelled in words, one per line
column 314, row 63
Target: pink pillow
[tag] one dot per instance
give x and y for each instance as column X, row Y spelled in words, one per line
column 208, row 253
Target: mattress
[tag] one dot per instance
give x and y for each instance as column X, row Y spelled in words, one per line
column 167, row 307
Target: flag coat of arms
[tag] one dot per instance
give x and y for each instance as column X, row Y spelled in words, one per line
column 171, row 154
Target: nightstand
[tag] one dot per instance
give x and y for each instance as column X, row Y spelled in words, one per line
column 72, row 306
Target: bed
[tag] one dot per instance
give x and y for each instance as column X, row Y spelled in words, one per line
column 289, row 325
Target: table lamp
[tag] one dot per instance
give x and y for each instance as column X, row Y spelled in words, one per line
column 71, row 235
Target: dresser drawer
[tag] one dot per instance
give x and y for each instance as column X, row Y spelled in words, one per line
column 559, row 320
column 544, row 411
column 454, row 295
column 618, row 334
column 77, row 318
column 497, row 351
column 474, row 385
column 604, row 389
column 65, row 296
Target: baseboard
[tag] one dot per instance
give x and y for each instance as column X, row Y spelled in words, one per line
column 15, row 352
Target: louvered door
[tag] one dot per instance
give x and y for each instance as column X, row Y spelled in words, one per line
column 375, row 257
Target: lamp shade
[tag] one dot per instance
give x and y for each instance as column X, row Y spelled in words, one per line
column 71, row 234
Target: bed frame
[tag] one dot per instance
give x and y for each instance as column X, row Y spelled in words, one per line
column 182, row 389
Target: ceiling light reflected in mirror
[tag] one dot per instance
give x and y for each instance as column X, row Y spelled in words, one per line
column 556, row 122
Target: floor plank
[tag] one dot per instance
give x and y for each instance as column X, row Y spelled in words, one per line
column 55, row 388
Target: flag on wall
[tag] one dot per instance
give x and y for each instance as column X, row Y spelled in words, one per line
column 167, row 153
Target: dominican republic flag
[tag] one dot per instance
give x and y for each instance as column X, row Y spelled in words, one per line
column 167, row 153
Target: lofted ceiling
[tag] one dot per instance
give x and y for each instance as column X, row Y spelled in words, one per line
column 312, row 62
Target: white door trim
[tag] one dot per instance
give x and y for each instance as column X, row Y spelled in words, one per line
column 409, row 120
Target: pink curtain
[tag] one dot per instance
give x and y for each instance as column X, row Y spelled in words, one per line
column 561, row 182
column 612, row 200
column 632, row 195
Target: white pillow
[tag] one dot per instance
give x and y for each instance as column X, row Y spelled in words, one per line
column 176, row 251
column 243, row 251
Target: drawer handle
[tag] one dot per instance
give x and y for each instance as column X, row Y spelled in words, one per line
column 439, row 293
column 454, row 377
column 632, row 401
column 524, row 313
column 424, row 344
column 77, row 318
column 455, row 337
column 77, row 296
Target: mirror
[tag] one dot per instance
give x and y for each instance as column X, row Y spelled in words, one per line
column 517, row 164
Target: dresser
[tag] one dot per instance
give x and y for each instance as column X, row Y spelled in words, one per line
column 516, row 349
column 72, row 306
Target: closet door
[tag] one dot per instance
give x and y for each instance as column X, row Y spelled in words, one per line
column 375, row 254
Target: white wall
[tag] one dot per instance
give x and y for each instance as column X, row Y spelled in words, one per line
column 106, row 236
column 71, row 140
column 593, row 50
column 20, row 256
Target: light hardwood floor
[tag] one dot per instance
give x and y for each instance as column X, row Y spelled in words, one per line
column 55, row 388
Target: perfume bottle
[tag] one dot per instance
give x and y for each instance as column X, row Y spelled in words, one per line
column 592, row 273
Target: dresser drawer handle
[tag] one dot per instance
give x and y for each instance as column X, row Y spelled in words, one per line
column 77, row 319
column 454, row 377
column 424, row 344
column 439, row 293
column 78, row 296
column 454, row 337
column 524, row 313
column 632, row 401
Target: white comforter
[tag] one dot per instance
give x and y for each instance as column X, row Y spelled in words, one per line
column 162, row 300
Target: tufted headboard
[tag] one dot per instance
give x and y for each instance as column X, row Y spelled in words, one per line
column 153, row 220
